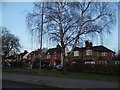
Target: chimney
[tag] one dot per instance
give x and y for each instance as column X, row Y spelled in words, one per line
column 90, row 44
column 58, row 46
column 86, row 43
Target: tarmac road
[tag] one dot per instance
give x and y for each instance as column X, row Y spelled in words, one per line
column 12, row 84
column 59, row 82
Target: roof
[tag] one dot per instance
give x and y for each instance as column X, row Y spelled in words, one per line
column 96, row 48
column 37, row 52
column 52, row 51
column 101, row 49
column 22, row 54
column 25, row 56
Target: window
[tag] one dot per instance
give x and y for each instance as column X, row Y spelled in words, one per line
column 88, row 52
column 48, row 56
column 103, row 62
column 112, row 55
column 117, row 62
column 76, row 53
column 89, row 62
column 55, row 57
column 55, row 53
column 104, row 54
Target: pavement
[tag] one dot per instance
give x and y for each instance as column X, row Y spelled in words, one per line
column 58, row 82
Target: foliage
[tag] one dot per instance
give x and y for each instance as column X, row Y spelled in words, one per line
column 10, row 43
column 36, row 63
column 70, row 23
column 96, row 69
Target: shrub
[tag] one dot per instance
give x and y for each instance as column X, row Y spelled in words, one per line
column 36, row 63
column 96, row 69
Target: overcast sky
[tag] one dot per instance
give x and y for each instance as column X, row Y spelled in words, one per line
column 13, row 18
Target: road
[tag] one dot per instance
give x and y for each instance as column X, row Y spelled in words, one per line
column 59, row 82
column 12, row 84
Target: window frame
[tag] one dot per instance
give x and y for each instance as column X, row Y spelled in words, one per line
column 89, row 52
column 76, row 53
column 104, row 54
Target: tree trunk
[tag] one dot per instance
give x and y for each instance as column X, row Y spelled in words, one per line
column 64, row 62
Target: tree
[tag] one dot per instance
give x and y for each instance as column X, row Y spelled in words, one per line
column 35, row 24
column 10, row 43
column 68, row 23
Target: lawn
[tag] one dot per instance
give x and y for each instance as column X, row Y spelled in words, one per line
column 54, row 73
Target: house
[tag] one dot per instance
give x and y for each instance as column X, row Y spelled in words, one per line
column 35, row 55
column 116, row 60
column 54, row 55
column 92, row 54
column 11, row 58
column 21, row 55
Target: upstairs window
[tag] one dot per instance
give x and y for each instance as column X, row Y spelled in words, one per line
column 76, row 53
column 55, row 53
column 48, row 55
column 104, row 54
column 88, row 52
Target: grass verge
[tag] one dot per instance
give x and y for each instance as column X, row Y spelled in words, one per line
column 72, row 75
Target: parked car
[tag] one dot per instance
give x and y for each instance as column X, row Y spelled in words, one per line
column 8, row 64
column 59, row 67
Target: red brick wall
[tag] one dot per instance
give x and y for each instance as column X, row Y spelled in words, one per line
column 53, row 58
column 95, row 56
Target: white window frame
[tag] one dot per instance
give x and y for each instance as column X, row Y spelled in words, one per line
column 88, row 52
column 48, row 56
column 104, row 54
column 117, row 62
column 103, row 62
column 89, row 62
column 55, row 56
column 76, row 53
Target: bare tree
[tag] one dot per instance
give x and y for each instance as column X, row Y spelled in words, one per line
column 68, row 23
column 10, row 43
column 35, row 24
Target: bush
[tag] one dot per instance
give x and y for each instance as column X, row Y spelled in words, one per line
column 36, row 63
column 77, row 67
column 96, row 69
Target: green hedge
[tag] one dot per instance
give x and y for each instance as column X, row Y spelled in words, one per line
column 97, row 69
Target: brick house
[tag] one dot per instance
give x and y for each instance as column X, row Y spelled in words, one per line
column 21, row 55
column 92, row 54
column 36, row 55
column 54, row 55
column 116, row 60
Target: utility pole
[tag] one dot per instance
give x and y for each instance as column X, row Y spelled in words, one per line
column 41, row 34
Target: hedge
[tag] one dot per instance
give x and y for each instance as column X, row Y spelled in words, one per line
column 97, row 68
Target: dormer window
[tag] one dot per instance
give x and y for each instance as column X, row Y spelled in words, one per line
column 88, row 52
column 76, row 53
column 104, row 54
